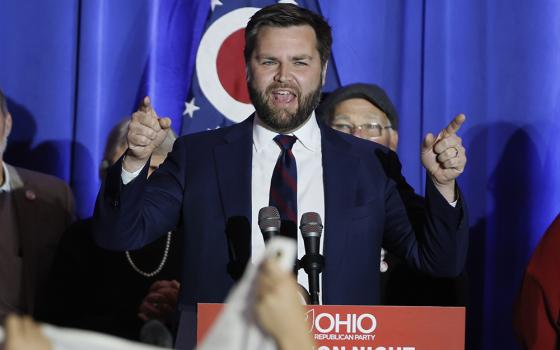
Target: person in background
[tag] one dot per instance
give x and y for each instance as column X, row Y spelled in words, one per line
column 35, row 209
column 120, row 293
column 536, row 316
column 363, row 110
column 367, row 112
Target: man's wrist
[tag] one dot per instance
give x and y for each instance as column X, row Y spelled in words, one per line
column 447, row 190
column 126, row 175
column 133, row 164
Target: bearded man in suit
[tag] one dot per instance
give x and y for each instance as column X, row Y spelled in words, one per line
column 213, row 184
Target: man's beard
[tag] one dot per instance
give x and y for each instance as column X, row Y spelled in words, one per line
column 280, row 119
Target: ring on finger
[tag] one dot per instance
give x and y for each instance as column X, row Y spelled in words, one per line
column 456, row 152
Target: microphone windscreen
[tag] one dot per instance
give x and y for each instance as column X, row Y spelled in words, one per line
column 238, row 234
column 311, row 224
column 269, row 219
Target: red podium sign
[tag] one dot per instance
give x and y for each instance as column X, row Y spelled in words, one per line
column 373, row 327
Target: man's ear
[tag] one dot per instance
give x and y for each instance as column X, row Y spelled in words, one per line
column 324, row 74
column 247, row 73
column 394, row 140
column 8, row 125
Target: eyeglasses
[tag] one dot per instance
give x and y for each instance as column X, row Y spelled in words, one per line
column 367, row 129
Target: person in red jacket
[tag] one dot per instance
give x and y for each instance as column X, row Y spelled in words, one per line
column 537, row 310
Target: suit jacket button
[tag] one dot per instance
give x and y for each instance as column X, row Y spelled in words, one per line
column 115, row 203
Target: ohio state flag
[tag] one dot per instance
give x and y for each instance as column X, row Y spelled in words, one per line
column 219, row 95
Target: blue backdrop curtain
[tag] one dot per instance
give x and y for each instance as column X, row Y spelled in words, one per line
column 72, row 69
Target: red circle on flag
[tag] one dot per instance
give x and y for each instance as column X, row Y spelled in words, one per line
column 230, row 65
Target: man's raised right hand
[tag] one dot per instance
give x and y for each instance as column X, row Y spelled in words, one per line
column 146, row 132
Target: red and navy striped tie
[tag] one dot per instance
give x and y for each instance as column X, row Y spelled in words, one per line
column 283, row 186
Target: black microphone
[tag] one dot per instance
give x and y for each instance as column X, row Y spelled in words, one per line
column 238, row 235
column 269, row 222
column 312, row 262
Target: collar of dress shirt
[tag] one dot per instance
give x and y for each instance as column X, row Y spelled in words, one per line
column 309, row 134
column 6, row 185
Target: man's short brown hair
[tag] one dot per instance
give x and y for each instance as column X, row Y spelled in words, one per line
column 287, row 15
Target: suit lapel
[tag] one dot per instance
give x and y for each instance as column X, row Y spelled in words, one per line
column 233, row 163
column 339, row 182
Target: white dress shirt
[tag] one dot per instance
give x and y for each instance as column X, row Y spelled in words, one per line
column 310, row 192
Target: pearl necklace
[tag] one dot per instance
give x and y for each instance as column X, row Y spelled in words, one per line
column 163, row 260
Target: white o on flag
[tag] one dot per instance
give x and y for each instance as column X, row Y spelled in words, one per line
column 206, row 64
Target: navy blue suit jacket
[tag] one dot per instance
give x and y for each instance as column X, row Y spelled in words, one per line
column 204, row 189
